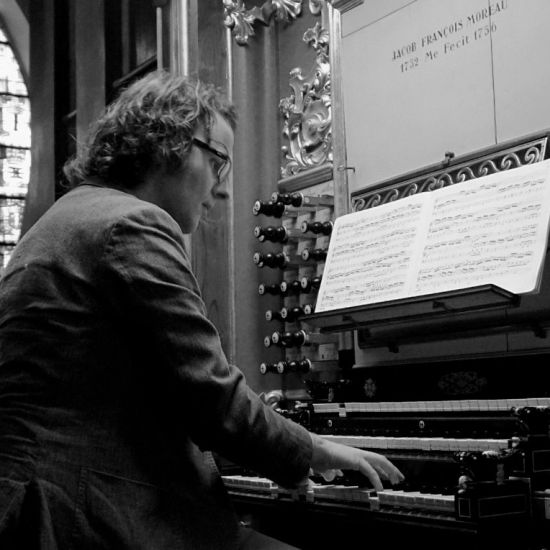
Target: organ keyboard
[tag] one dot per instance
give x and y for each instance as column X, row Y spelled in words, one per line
column 477, row 405
column 456, row 474
column 350, row 494
column 379, row 443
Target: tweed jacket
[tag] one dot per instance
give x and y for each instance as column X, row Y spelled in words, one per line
column 114, row 389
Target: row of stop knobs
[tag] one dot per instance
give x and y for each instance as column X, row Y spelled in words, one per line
column 283, row 261
column 281, row 233
column 280, row 203
column 282, row 367
column 305, row 285
column 296, row 339
column 289, row 314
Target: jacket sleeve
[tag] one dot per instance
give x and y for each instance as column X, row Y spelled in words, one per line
column 157, row 290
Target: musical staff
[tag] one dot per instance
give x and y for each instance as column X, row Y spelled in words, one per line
column 491, row 230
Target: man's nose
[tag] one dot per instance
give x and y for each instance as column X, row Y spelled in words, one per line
column 221, row 189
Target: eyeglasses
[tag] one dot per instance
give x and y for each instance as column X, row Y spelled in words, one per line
column 224, row 166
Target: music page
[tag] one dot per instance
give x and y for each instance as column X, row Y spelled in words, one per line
column 489, row 230
column 370, row 254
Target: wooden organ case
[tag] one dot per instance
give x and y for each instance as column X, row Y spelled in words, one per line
column 454, row 389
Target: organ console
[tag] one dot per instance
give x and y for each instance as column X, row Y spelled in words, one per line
column 272, row 289
column 324, row 228
column 310, row 285
column 291, row 287
column 271, row 259
column 317, row 254
column 288, row 314
column 293, row 313
column 299, row 338
column 458, row 399
column 298, row 199
column 302, row 366
column 274, row 234
column 270, row 367
column 281, row 234
column 271, row 315
column 269, row 208
column 468, row 473
column 304, row 249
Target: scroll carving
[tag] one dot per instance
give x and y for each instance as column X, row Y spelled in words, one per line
column 242, row 20
column 307, row 111
column 520, row 155
column 315, row 6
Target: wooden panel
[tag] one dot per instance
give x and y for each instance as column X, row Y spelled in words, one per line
column 521, row 71
column 262, row 74
column 256, row 168
column 417, row 83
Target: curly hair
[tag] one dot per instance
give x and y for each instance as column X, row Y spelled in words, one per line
column 149, row 125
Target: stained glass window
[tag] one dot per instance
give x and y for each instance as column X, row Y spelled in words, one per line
column 15, row 153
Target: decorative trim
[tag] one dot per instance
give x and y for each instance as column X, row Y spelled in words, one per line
column 307, row 111
column 450, row 172
column 241, row 21
column 342, row 203
column 306, row 179
column 345, row 5
column 316, row 6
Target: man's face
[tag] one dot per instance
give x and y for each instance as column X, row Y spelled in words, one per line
column 190, row 193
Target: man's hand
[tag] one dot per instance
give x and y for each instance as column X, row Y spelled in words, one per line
column 329, row 456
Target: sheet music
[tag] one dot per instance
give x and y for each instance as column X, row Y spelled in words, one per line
column 370, row 253
column 491, row 230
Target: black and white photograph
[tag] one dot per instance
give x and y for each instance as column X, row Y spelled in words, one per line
column 274, row 274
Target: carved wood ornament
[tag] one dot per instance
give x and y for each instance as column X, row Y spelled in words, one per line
column 523, row 152
column 242, row 20
column 307, row 118
column 307, row 111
